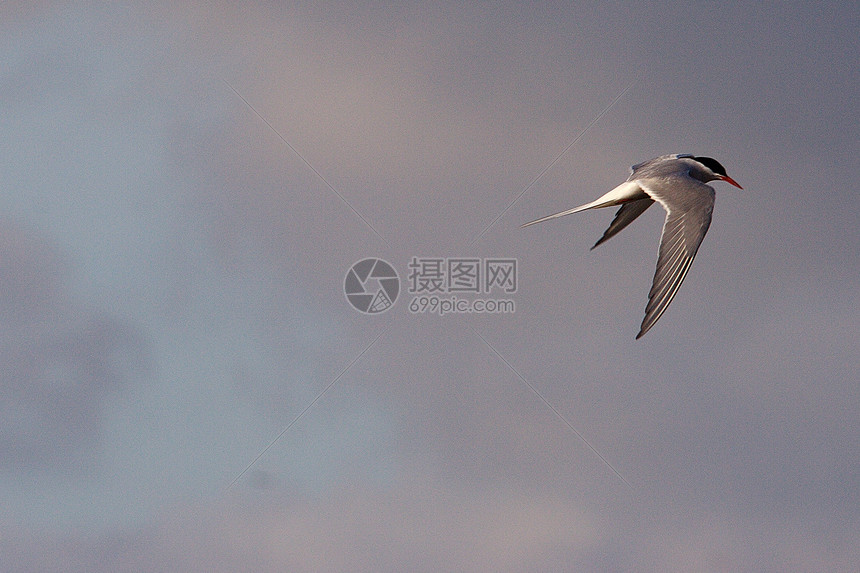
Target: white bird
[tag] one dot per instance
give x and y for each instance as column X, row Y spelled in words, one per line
column 678, row 183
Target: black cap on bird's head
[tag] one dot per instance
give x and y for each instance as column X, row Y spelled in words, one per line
column 711, row 164
column 717, row 168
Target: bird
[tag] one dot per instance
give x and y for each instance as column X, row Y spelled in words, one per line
column 678, row 182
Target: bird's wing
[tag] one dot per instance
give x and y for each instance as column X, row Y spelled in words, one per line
column 689, row 205
column 625, row 215
column 662, row 164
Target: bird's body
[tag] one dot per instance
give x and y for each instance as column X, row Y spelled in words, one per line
column 678, row 183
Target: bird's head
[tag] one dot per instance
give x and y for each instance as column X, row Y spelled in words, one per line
column 711, row 169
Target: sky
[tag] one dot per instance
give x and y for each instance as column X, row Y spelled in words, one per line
column 185, row 385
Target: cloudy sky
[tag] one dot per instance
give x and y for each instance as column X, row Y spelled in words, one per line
column 186, row 387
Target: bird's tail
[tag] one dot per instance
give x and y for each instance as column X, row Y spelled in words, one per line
column 627, row 191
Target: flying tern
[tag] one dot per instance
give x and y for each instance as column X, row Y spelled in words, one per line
column 678, row 183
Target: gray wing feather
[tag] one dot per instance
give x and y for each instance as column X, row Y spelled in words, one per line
column 689, row 205
column 625, row 215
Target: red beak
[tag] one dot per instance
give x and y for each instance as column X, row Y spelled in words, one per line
column 728, row 179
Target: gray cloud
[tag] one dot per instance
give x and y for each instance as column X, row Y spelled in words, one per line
column 59, row 361
column 421, row 528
